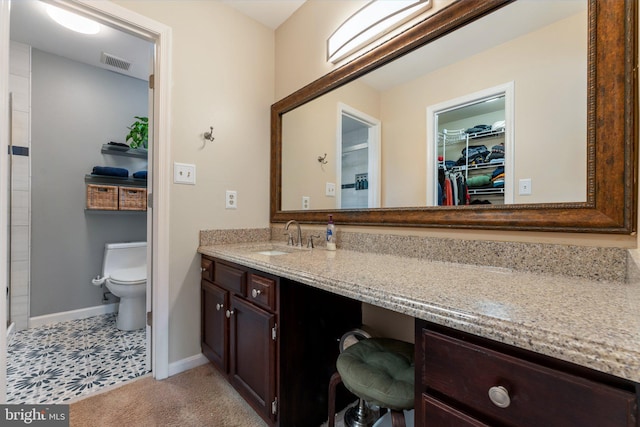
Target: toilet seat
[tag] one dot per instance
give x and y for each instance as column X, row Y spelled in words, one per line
column 129, row 276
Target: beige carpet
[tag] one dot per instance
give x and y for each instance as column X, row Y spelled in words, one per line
column 200, row 397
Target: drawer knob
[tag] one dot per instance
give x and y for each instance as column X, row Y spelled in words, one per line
column 218, row 306
column 255, row 293
column 229, row 313
column 499, row 396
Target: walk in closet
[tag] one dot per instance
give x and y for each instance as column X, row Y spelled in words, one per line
column 471, row 154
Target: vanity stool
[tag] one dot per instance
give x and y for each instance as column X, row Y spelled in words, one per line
column 379, row 371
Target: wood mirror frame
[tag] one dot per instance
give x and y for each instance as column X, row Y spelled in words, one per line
column 610, row 205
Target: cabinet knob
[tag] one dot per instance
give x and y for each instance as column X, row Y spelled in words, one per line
column 255, row 293
column 203, row 269
column 219, row 306
column 229, row 313
column 499, row 396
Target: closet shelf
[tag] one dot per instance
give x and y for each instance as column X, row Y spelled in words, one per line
column 486, row 191
column 478, row 166
column 131, row 152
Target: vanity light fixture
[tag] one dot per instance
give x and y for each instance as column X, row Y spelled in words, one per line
column 73, row 21
column 375, row 19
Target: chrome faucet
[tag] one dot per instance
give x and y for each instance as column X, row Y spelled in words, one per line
column 290, row 240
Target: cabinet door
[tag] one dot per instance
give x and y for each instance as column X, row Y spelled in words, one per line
column 215, row 326
column 253, row 355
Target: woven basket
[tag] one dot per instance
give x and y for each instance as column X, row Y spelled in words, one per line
column 133, row 199
column 104, row 197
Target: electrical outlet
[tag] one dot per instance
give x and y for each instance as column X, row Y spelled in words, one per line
column 306, row 202
column 330, row 189
column 231, row 199
column 184, row 173
column 524, row 187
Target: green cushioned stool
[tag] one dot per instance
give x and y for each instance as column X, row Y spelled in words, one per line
column 379, row 371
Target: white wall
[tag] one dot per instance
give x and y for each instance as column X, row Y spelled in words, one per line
column 223, row 76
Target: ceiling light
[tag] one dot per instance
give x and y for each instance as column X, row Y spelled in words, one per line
column 72, row 21
column 377, row 18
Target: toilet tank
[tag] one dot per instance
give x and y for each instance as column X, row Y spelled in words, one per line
column 123, row 255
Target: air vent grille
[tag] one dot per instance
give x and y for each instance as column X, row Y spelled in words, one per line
column 114, row 61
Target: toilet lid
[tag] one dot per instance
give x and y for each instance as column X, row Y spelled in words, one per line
column 129, row 276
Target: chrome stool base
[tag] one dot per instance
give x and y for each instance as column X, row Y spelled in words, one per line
column 360, row 415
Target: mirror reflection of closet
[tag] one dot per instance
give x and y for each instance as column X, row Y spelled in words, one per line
column 358, row 169
column 473, row 151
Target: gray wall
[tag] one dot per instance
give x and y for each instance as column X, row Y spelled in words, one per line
column 76, row 108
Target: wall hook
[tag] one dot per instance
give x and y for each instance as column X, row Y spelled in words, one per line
column 209, row 135
column 323, row 159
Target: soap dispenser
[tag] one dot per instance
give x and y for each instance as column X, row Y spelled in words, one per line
column 331, row 234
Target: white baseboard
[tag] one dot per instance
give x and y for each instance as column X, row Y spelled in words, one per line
column 64, row 316
column 187, row 363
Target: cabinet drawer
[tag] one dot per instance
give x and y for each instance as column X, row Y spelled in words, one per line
column 436, row 413
column 206, row 269
column 230, row 278
column 537, row 395
column 262, row 291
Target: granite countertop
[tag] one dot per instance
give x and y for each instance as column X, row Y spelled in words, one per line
column 591, row 323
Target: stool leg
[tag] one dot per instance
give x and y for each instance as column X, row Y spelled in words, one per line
column 360, row 415
column 397, row 418
column 333, row 382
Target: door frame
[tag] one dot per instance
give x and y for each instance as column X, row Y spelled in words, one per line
column 373, row 167
column 160, row 163
column 506, row 89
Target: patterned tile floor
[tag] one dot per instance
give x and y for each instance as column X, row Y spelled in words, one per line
column 66, row 360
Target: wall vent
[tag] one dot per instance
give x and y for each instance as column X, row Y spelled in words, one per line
column 114, row 61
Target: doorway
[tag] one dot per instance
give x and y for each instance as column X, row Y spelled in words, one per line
column 124, row 20
column 358, row 158
column 470, row 149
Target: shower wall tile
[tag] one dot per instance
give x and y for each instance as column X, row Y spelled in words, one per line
column 20, row 312
column 20, row 221
column 20, row 207
column 20, row 63
column 20, row 173
column 20, row 129
column 19, row 86
column 20, row 278
column 20, row 242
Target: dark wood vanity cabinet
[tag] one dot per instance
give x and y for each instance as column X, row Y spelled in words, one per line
column 275, row 340
column 238, row 336
column 463, row 380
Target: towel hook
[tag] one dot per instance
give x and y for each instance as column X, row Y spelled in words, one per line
column 209, row 135
column 323, row 159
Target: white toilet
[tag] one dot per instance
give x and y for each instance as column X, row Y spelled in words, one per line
column 124, row 271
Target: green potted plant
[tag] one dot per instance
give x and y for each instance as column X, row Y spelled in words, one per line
column 139, row 133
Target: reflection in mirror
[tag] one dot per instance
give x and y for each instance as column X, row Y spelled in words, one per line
column 540, row 46
column 470, row 147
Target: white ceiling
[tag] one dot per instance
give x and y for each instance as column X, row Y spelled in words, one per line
column 31, row 25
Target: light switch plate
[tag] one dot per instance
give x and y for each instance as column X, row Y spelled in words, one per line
column 184, row 173
column 524, row 187
column 331, row 189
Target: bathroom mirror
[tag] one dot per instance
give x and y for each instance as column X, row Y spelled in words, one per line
column 601, row 113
